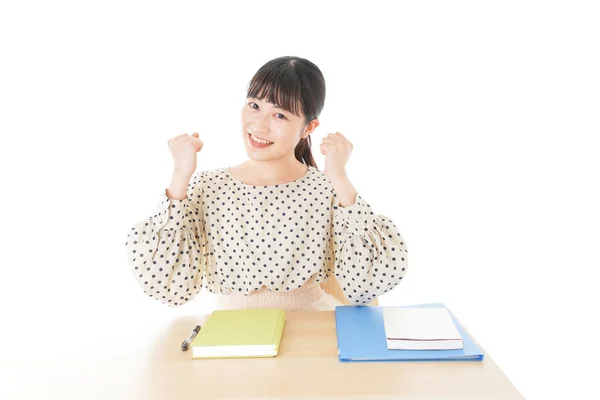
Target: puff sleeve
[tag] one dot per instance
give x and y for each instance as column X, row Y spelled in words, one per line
column 370, row 254
column 166, row 251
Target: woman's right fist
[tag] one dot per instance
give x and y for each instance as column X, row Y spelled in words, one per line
column 183, row 149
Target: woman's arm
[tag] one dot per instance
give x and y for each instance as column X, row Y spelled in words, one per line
column 166, row 251
column 370, row 254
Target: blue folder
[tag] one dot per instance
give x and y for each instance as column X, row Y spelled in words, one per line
column 361, row 337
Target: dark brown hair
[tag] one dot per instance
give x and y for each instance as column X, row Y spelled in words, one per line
column 294, row 84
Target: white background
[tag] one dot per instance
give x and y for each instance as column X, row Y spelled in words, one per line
column 475, row 126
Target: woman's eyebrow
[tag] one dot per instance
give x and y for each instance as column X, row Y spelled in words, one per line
column 278, row 107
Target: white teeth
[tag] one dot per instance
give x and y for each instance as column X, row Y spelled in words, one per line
column 257, row 140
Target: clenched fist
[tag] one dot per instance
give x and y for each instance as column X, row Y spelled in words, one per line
column 336, row 149
column 183, row 149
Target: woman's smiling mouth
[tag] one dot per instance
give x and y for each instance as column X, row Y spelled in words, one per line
column 257, row 142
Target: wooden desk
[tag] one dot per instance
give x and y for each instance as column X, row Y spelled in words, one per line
column 154, row 367
column 308, row 368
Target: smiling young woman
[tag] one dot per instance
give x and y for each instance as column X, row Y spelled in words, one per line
column 273, row 231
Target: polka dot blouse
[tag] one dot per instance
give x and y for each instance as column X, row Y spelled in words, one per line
column 233, row 237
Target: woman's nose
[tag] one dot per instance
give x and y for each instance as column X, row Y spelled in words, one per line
column 261, row 123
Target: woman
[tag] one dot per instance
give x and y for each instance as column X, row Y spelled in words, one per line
column 268, row 232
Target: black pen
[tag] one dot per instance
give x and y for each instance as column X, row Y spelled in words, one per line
column 186, row 343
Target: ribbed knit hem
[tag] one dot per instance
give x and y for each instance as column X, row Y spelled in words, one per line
column 292, row 300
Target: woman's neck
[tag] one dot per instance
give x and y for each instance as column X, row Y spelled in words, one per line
column 272, row 172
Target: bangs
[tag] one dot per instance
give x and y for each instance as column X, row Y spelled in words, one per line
column 278, row 86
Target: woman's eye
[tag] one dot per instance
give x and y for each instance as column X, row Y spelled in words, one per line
column 252, row 104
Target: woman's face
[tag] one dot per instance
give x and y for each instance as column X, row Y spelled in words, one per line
column 280, row 127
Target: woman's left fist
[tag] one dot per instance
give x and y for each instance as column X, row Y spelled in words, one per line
column 336, row 149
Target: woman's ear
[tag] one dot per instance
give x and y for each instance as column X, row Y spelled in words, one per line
column 312, row 125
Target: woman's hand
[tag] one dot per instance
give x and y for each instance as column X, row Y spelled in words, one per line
column 183, row 149
column 336, row 149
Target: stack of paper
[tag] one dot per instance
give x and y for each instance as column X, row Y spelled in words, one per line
column 420, row 329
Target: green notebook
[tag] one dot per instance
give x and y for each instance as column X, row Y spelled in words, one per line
column 240, row 333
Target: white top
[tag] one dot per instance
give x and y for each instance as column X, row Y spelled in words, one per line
column 237, row 238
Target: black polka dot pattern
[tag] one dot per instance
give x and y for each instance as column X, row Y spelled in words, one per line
column 237, row 238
